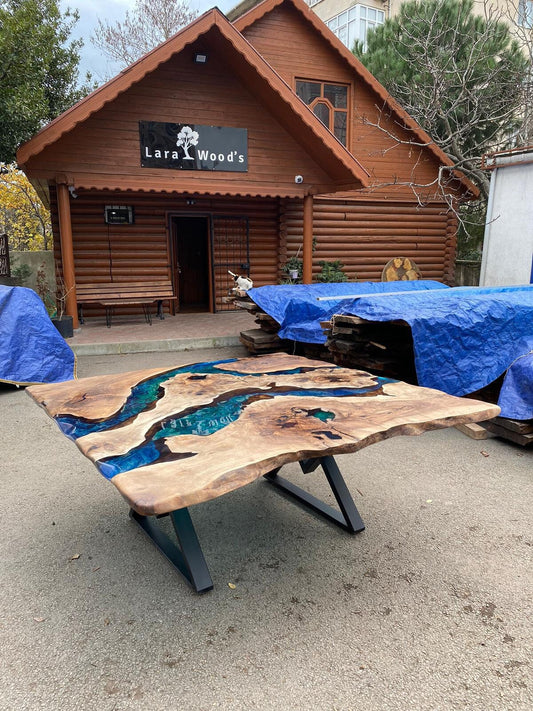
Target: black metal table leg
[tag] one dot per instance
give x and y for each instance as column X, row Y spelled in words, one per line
column 188, row 558
column 348, row 517
column 108, row 311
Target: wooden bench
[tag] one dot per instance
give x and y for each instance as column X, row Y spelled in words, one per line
column 112, row 294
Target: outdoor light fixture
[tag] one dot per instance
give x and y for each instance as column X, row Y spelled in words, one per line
column 118, row 215
column 200, row 57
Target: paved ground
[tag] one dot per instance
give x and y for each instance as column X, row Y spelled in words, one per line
column 430, row 608
column 130, row 334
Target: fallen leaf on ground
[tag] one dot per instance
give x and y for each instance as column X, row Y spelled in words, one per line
column 485, row 454
column 76, row 556
column 232, row 586
column 39, row 619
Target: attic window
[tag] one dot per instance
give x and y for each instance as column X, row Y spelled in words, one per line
column 329, row 103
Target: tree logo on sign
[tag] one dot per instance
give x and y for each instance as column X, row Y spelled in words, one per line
column 187, row 138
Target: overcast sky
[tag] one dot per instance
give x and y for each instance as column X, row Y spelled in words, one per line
column 91, row 11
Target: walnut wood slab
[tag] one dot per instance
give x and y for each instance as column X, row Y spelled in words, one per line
column 169, row 438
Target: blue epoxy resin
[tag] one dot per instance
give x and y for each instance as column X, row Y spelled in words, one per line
column 209, row 419
column 145, row 394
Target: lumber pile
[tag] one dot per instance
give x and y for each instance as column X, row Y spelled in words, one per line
column 263, row 339
column 517, row 431
column 386, row 349
column 383, row 348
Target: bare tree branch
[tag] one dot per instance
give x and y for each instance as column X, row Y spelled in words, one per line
column 146, row 26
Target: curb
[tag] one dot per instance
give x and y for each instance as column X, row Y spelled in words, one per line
column 183, row 344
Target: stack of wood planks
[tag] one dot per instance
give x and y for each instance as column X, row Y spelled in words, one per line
column 517, row 431
column 386, row 348
column 263, row 339
column 383, row 348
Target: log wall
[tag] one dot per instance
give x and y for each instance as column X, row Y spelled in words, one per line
column 142, row 251
column 365, row 235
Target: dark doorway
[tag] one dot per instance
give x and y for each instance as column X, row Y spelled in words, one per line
column 191, row 262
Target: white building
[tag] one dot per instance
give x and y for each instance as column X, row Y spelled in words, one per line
column 350, row 20
column 508, row 244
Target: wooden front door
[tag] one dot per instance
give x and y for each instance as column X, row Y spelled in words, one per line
column 191, row 262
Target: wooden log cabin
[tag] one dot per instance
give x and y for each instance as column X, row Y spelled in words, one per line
column 233, row 146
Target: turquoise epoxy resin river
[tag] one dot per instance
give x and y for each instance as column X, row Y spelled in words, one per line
column 212, row 418
column 203, row 421
column 144, row 395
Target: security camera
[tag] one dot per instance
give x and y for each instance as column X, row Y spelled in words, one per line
column 298, row 179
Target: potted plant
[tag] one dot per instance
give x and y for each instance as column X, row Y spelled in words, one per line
column 61, row 320
column 55, row 303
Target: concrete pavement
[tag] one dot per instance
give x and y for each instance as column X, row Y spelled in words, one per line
column 430, row 608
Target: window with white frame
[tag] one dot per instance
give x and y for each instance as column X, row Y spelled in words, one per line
column 353, row 24
column 312, row 2
column 525, row 13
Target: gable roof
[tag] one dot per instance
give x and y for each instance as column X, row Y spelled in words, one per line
column 297, row 118
column 248, row 12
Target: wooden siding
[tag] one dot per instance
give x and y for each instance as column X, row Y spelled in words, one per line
column 142, row 251
column 393, row 164
column 103, row 151
column 364, row 236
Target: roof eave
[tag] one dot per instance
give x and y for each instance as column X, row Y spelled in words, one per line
column 343, row 167
column 251, row 16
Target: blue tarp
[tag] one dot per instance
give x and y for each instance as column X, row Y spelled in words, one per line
column 463, row 338
column 296, row 309
column 516, row 394
column 31, row 348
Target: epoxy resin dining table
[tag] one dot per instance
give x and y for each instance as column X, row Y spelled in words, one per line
column 171, row 438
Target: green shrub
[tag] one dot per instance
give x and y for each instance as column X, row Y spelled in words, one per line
column 20, row 273
column 331, row 272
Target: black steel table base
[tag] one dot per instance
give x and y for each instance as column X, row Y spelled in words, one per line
column 189, row 559
column 347, row 518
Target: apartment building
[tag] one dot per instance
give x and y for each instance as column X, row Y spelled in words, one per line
column 350, row 20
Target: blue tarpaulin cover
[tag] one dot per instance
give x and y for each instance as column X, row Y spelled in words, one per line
column 516, row 395
column 31, row 348
column 464, row 338
column 296, row 309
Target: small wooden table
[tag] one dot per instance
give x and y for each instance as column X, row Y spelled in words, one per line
column 171, row 438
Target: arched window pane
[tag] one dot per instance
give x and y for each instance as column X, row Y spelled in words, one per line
column 321, row 111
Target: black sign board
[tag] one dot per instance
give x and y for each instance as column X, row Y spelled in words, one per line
column 187, row 146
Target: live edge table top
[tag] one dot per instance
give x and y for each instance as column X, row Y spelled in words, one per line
column 169, row 438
